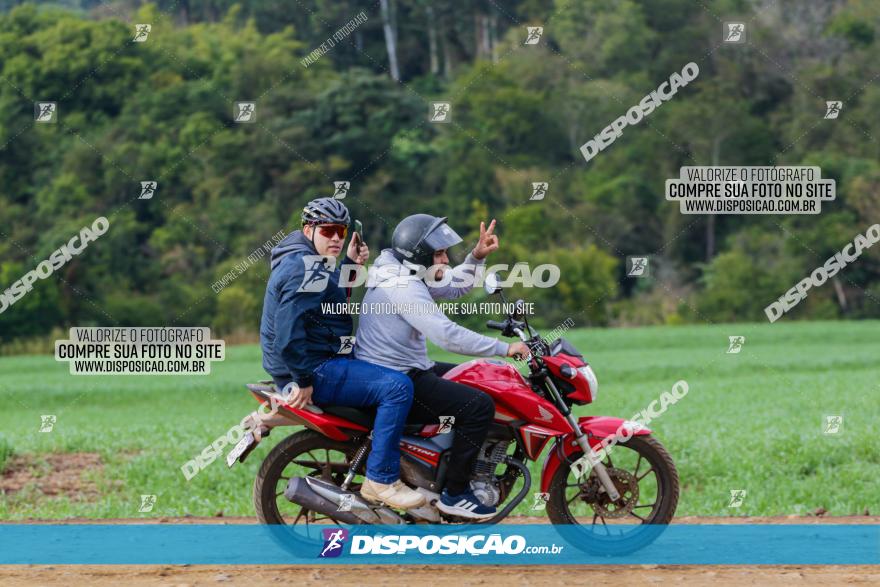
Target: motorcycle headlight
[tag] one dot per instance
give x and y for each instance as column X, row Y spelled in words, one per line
column 587, row 372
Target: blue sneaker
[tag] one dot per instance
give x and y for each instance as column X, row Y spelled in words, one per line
column 464, row 505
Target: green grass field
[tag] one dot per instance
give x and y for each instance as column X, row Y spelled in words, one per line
column 751, row 421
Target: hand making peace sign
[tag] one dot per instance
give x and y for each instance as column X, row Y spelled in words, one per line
column 488, row 242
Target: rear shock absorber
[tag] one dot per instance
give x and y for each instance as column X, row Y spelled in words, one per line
column 359, row 457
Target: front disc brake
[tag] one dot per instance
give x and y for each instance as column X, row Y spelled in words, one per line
column 627, row 486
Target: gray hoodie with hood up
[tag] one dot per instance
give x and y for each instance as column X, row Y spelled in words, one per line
column 396, row 338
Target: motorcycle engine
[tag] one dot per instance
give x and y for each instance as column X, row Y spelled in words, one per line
column 483, row 484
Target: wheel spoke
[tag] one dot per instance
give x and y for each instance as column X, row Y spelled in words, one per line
column 302, row 511
column 638, row 464
column 638, row 516
column 576, row 495
column 321, row 467
column 649, row 505
column 644, row 474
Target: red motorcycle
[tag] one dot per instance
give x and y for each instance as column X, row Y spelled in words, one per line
column 629, row 494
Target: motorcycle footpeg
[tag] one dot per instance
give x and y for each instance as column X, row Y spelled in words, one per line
column 427, row 512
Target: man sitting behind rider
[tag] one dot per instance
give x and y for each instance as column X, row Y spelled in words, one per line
column 308, row 351
column 397, row 340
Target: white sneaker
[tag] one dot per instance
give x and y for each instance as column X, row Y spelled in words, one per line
column 396, row 495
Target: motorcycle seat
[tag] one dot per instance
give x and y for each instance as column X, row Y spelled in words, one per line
column 365, row 417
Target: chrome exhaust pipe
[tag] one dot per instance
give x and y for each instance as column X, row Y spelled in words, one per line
column 326, row 499
column 299, row 492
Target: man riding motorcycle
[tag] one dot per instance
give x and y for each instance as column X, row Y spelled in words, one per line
column 308, row 352
column 397, row 340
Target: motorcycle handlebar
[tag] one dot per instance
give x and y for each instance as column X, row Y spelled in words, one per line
column 508, row 328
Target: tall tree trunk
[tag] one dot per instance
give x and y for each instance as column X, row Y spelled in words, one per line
column 710, row 222
column 710, row 237
column 447, row 53
column 184, row 12
column 481, row 36
column 390, row 40
column 478, row 34
column 392, row 11
column 493, row 34
column 432, row 41
column 841, row 295
column 487, row 38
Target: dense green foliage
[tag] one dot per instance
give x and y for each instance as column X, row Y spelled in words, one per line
column 162, row 110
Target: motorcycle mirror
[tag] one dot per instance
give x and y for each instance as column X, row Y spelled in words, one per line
column 491, row 284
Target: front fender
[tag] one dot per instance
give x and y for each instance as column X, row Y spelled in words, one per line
column 597, row 428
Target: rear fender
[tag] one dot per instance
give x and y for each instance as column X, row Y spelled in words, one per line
column 329, row 425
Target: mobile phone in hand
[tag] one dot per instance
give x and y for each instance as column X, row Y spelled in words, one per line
column 358, row 234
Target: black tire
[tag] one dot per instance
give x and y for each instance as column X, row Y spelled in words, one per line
column 587, row 538
column 266, row 485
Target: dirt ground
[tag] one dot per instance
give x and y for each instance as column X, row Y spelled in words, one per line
column 537, row 576
column 177, row 576
column 57, row 474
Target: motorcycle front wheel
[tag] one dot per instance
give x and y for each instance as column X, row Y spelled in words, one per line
column 643, row 473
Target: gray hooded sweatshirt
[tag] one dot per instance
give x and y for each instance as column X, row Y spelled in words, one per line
column 396, row 339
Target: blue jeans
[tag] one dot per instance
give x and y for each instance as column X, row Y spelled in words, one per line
column 354, row 383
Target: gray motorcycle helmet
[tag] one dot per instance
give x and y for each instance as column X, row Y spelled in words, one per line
column 325, row 211
column 417, row 237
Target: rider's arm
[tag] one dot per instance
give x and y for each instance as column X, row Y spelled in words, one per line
column 441, row 330
column 290, row 324
column 463, row 277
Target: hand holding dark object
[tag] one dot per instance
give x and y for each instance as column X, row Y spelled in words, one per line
column 358, row 251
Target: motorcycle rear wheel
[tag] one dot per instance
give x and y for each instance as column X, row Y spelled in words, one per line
column 304, row 453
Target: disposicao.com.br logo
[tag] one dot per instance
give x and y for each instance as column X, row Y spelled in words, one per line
column 397, row 544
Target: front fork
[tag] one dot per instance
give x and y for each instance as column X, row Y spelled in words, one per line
column 581, row 438
column 579, row 435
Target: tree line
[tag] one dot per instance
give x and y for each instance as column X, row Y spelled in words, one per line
column 163, row 110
